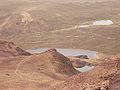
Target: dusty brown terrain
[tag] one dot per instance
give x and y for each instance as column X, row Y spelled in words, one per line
column 78, row 62
column 51, row 70
column 34, row 72
column 115, row 83
column 103, row 77
column 46, row 22
column 8, row 49
column 35, row 24
column 82, row 60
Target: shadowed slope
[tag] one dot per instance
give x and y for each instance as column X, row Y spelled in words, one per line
column 97, row 79
column 34, row 72
column 115, row 83
column 51, row 63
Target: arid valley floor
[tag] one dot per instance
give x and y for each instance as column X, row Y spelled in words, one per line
column 90, row 25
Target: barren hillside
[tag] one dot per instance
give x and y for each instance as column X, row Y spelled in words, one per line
column 103, row 77
column 34, row 72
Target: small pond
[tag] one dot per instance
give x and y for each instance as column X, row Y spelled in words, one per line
column 71, row 52
column 103, row 22
column 85, row 68
column 67, row 52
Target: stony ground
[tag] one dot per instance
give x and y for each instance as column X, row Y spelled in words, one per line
column 51, row 70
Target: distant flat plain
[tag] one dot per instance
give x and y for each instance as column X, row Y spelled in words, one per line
column 51, row 24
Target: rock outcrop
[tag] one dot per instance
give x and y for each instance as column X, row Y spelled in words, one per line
column 103, row 77
column 50, row 63
column 51, row 70
column 8, row 49
column 35, row 72
column 78, row 62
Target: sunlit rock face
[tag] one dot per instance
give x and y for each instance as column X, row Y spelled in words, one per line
column 103, row 22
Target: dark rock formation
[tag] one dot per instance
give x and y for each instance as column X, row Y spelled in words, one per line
column 8, row 49
column 82, row 57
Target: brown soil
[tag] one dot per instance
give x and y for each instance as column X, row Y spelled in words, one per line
column 45, row 23
column 51, row 70
column 8, row 49
column 34, row 72
column 97, row 79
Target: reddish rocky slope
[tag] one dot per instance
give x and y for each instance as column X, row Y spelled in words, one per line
column 34, row 72
column 8, row 49
column 51, row 70
column 103, row 77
